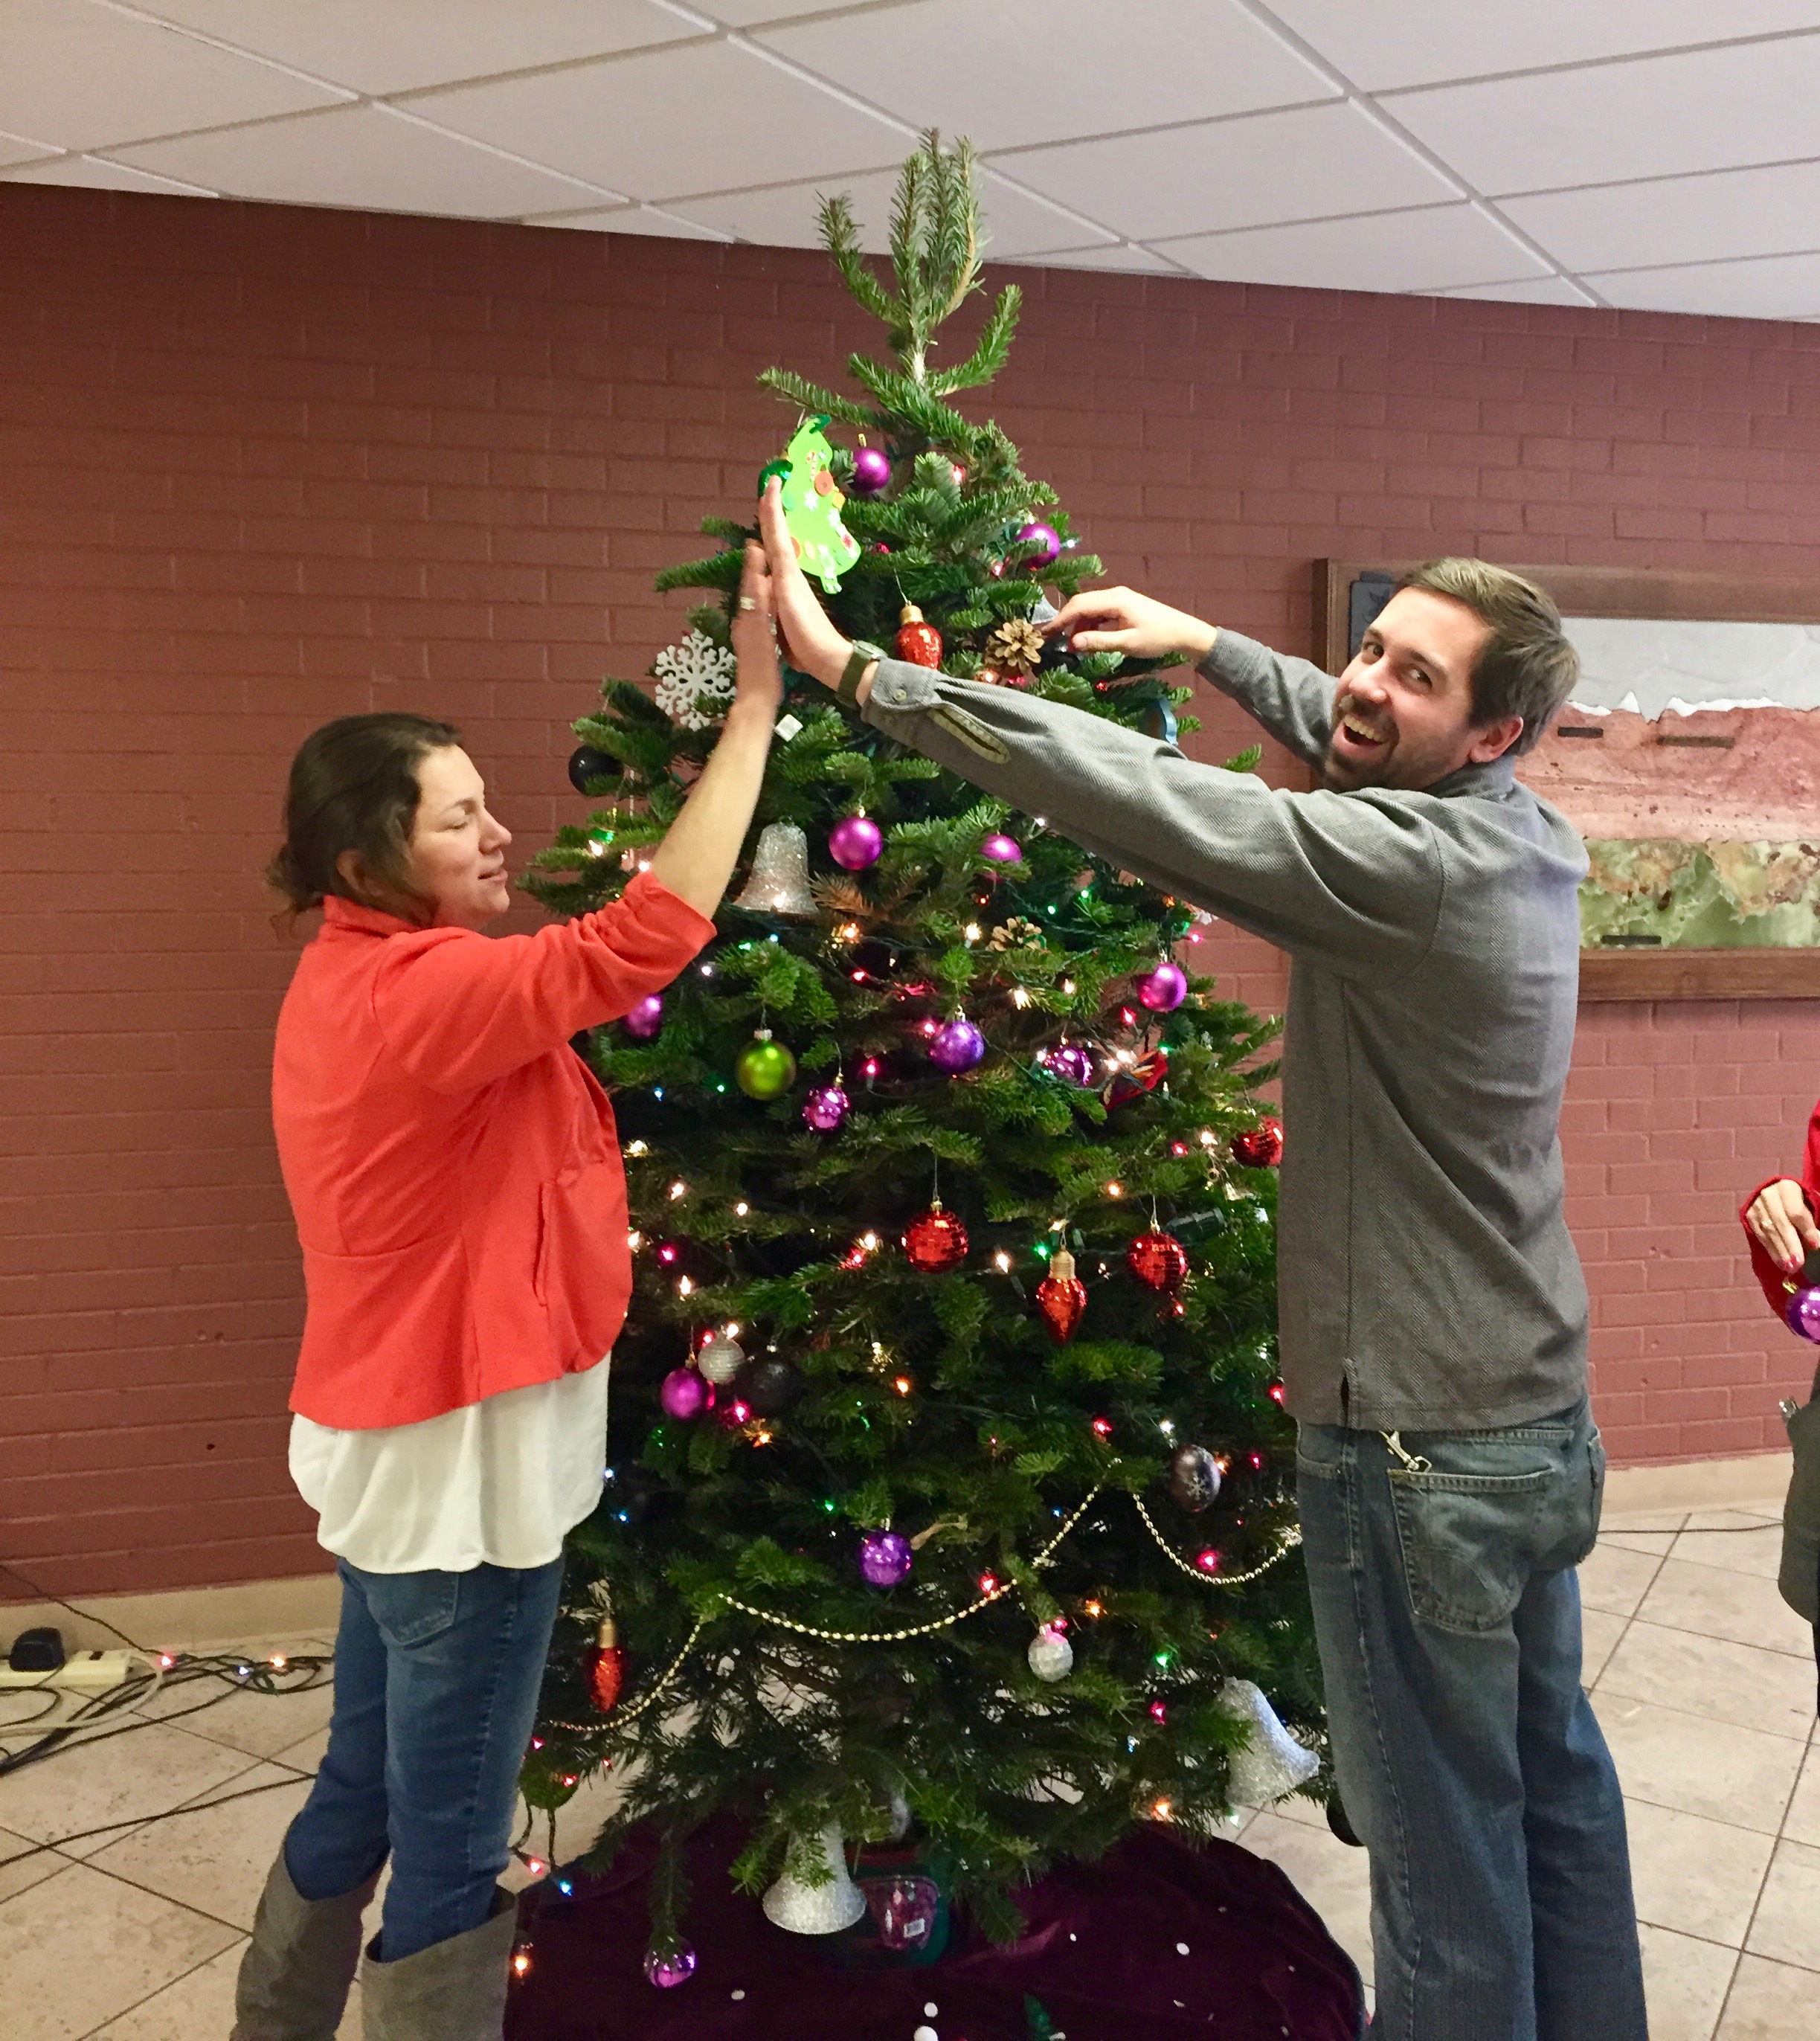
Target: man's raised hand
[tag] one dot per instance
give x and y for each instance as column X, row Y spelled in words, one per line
column 1120, row 619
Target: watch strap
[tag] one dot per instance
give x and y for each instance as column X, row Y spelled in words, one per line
column 862, row 656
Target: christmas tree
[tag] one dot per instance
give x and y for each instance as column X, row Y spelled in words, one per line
column 948, row 1487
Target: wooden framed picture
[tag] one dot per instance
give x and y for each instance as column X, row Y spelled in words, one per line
column 1689, row 759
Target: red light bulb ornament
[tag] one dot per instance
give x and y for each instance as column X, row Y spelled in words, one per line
column 918, row 641
column 1061, row 1298
column 604, row 1662
column 1158, row 1261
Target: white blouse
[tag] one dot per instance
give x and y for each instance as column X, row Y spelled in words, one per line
column 498, row 1483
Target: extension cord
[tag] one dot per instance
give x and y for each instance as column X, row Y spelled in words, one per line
column 87, row 1672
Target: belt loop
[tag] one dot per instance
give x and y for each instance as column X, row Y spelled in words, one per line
column 1413, row 1463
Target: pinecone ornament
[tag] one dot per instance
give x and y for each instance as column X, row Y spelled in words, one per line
column 1014, row 649
column 1018, row 934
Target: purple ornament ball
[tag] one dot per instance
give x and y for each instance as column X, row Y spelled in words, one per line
column 646, row 1019
column 1803, row 1314
column 1072, row 1063
column 1036, row 533
column 684, row 1393
column 667, row 1968
column 957, row 1047
column 872, row 472
column 855, row 842
column 1162, row 990
column 1002, row 849
column 825, row 1108
column 884, row 1558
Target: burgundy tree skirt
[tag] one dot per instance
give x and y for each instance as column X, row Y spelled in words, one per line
column 1102, row 1952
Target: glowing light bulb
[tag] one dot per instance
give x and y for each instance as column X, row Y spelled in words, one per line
column 1002, row 1261
column 165, row 1662
column 870, row 1242
column 666, row 1253
column 1160, row 1810
column 973, row 932
column 634, row 1241
column 679, row 1190
column 1093, row 1609
column 1019, row 996
column 1208, row 1562
column 989, row 1584
column 1068, row 983
column 277, row 1661
column 903, row 1385
column 597, row 849
column 520, row 1961
column 638, row 1148
column 1102, row 1427
column 741, row 1209
column 1206, row 1137
column 871, row 1066
column 1115, row 1190
column 685, row 1288
column 707, row 970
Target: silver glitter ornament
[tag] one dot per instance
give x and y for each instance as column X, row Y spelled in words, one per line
column 815, row 1909
column 1272, row 1762
column 780, row 881
column 1050, row 1655
column 720, row 1359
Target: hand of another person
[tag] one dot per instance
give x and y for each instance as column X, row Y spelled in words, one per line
column 1778, row 1215
column 814, row 646
column 760, row 677
column 1120, row 619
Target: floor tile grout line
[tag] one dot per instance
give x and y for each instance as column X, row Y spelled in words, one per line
column 150, row 1995
column 1763, row 1887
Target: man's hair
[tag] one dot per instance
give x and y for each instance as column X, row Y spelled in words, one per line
column 1526, row 666
column 354, row 787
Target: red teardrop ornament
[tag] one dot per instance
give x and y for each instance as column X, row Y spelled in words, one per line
column 917, row 642
column 936, row 1240
column 1260, row 1147
column 1061, row 1298
column 603, row 1666
column 1157, row 1259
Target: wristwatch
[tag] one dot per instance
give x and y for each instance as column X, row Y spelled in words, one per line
column 862, row 657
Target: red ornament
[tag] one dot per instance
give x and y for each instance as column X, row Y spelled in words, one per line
column 1144, row 1075
column 1260, row 1147
column 1061, row 1298
column 935, row 1241
column 919, row 642
column 1158, row 1260
column 603, row 1666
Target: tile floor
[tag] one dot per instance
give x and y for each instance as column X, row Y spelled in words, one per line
column 1705, row 1682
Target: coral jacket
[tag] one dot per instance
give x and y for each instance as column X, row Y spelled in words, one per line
column 1779, row 1287
column 452, row 1164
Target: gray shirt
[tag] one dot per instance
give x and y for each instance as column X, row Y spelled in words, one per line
column 1426, row 1278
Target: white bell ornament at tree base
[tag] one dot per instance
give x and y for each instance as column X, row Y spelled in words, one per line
column 1272, row 1762
column 815, row 1909
column 780, row 881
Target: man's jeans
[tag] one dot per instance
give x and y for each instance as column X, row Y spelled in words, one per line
column 1466, row 1753
column 436, row 1677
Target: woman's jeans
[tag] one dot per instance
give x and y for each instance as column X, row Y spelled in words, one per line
column 436, row 1677
column 1448, row 1616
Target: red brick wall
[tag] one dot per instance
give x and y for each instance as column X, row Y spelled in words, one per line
column 259, row 467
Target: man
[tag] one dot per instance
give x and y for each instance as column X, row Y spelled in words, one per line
column 1432, row 1312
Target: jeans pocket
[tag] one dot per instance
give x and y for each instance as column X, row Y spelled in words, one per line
column 1320, row 1452
column 1468, row 1542
column 409, row 1609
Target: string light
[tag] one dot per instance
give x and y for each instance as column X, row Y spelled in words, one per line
column 741, row 1209
column 277, row 1661
column 1115, row 1190
column 1002, row 1261
column 1102, row 1427
column 973, row 932
column 903, row 1385
column 1160, row 1810
column 848, row 931
column 1208, row 1561
column 634, row 1240
column 684, row 1288
column 1068, row 983
column 707, row 970
column 639, row 1148
column 1093, row 1609
column 871, row 1066
column 679, row 1190
column 1019, row 997
column 597, row 849
column 520, row 1961
column 989, row 1584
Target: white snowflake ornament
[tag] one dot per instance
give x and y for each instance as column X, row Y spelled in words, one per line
column 694, row 680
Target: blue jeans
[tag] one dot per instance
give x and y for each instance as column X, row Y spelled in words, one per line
column 1466, row 1755
column 436, row 1677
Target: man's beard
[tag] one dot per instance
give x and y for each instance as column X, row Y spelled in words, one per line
column 1343, row 769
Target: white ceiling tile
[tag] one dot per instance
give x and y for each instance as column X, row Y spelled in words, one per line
column 78, row 76
column 705, row 117
column 1419, row 42
column 1397, row 251
column 745, row 13
column 786, row 217
column 362, row 156
column 1526, row 291
column 18, row 149
column 1774, row 287
column 399, row 44
column 1098, row 69
column 1652, row 117
column 1708, row 218
column 633, row 219
column 90, row 173
column 1244, row 172
column 1134, row 261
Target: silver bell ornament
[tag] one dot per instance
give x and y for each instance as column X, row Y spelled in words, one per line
column 1272, row 1762
column 815, row 1909
column 721, row 1360
column 780, row 881
column 1050, row 1655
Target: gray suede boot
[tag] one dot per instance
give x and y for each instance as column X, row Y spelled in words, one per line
column 294, row 1977
column 451, row 1991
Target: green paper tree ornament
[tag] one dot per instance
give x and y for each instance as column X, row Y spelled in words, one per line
column 813, row 504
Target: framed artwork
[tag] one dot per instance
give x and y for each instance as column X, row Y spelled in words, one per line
column 1688, row 759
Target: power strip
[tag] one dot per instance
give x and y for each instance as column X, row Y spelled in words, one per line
column 87, row 1672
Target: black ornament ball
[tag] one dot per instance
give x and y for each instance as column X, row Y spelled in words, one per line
column 875, row 958
column 586, row 762
column 1194, row 1476
column 768, row 1388
column 633, row 1495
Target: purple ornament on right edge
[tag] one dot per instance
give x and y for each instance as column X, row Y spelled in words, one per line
column 1162, row 990
column 1802, row 1313
column 646, row 1019
column 1071, row 1063
column 884, row 1558
column 1036, row 533
column 872, row 472
column 1002, row 849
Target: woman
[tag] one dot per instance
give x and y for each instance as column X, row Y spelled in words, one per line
column 459, row 1195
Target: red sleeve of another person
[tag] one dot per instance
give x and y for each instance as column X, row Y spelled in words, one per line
column 1775, row 1280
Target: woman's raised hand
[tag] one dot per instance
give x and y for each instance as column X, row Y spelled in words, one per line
column 1778, row 1215
column 760, row 677
column 815, row 646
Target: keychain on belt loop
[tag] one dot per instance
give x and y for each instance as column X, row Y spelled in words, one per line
column 1412, row 1462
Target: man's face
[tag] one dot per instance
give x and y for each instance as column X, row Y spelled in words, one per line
column 1402, row 713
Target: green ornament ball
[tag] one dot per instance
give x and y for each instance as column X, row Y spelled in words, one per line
column 765, row 1069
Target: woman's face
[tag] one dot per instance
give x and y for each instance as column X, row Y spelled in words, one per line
column 457, row 849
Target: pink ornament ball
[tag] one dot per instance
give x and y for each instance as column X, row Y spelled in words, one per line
column 1803, row 1314
column 855, row 842
column 645, row 1019
column 872, row 472
column 684, row 1393
column 1002, row 849
column 957, row 1047
column 1072, row 1063
column 885, row 1558
column 667, row 1968
column 825, row 1108
column 1162, row 990
column 1043, row 536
